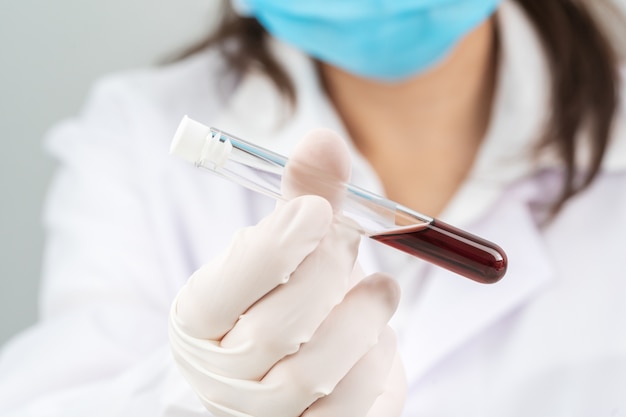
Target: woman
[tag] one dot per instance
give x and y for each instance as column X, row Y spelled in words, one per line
column 503, row 119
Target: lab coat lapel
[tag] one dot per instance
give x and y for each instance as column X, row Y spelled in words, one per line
column 451, row 310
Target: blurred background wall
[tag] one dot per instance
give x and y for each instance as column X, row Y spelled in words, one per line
column 50, row 53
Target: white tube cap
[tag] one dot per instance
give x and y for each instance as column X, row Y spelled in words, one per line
column 189, row 140
column 194, row 142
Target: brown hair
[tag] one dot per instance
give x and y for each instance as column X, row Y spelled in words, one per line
column 243, row 43
column 582, row 61
column 585, row 87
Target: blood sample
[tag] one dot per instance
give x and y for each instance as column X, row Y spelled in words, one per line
column 451, row 248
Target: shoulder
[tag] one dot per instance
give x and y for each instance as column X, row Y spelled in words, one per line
column 141, row 108
column 185, row 85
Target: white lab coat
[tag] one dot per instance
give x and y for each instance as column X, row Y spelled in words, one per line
column 128, row 224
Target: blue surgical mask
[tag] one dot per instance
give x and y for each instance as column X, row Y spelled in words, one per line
column 386, row 40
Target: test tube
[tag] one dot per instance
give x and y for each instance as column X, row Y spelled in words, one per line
column 374, row 216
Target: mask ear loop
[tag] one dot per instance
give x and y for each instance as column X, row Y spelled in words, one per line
column 215, row 150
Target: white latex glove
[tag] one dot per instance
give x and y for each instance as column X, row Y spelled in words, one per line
column 281, row 324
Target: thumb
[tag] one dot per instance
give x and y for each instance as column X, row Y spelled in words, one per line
column 320, row 164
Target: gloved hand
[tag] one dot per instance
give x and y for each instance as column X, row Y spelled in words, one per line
column 282, row 324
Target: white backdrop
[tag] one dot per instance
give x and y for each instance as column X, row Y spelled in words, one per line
column 50, row 52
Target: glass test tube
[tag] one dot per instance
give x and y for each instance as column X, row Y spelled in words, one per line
column 393, row 224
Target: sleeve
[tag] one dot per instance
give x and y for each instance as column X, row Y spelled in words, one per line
column 100, row 347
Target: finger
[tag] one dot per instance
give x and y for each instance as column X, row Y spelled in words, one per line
column 320, row 165
column 287, row 317
column 358, row 390
column 391, row 402
column 259, row 258
column 349, row 332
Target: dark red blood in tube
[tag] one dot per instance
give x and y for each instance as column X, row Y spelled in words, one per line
column 450, row 248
